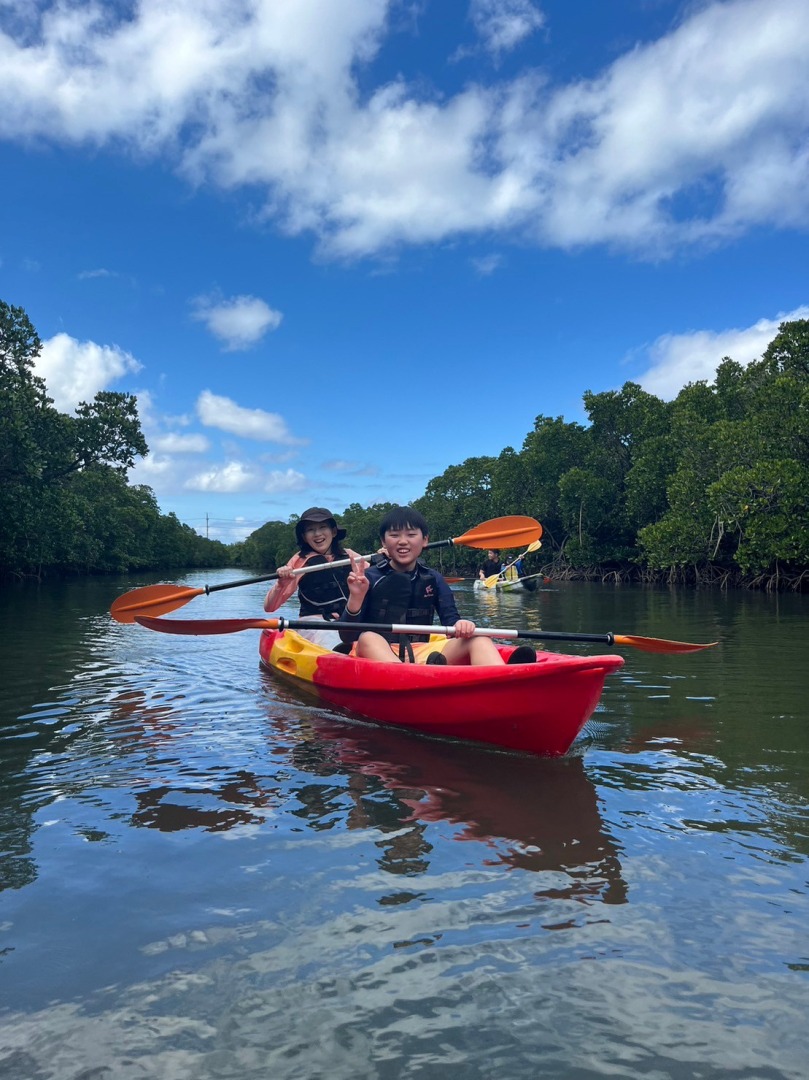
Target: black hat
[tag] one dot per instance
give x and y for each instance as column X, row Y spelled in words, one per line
column 317, row 513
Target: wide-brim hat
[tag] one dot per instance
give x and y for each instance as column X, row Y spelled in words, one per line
column 318, row 514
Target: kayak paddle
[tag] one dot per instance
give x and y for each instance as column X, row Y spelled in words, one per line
column 234, row 626
column 503, row 532
column 491, row 581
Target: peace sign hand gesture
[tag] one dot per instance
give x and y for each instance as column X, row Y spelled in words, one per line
column 358, row 584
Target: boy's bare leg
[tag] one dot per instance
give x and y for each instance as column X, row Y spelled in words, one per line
column 372, row 646
column 480, row 650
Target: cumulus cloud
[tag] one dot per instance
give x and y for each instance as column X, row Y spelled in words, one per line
column 173, row 443
column 225, row 479
column 237, row 476
column 75, row 371
column 678, row 359
column 690, row 139
column 222, row 413
column 239, row 322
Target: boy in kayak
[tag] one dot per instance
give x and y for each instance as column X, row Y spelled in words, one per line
column 492, row 566
column 402, row 589
column 322, row 594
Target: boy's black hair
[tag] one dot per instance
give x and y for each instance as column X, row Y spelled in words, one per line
column 403, row 517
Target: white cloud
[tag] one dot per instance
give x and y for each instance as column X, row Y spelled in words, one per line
column 224, row 414
column 288, row 480
column 226, row 479
column 153, row 470
column 678, row 359
column 88, row 275
column 173, row 443
column 236, row 476
column 688, row 140
column 239, row 322
column 75, row 371
column 504, row 24
column 487, row 264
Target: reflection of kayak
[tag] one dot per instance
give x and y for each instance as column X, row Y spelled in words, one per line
column 540, row 707
column 509, row 803
column 529, row 584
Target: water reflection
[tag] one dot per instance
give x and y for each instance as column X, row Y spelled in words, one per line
column 533, row 814
column 215, row 806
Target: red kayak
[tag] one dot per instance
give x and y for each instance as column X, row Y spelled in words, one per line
column 539, row 708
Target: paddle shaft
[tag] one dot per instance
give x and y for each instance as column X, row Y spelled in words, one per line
column 511, row 531
column 301, row 570
column 449, row 631
column 184, row 595
column 233, row 626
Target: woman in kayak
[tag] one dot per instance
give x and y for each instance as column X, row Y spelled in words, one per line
column 402, row 589
column 323, row 594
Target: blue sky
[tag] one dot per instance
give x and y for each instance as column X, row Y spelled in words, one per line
column 336, row 247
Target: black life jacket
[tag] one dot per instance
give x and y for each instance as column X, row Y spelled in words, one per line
column 402, row 598
column 324, row 592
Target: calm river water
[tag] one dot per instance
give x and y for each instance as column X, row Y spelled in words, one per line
column 204, row 876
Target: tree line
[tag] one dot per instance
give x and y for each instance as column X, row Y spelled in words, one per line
column 65, row 503
column 712, row 487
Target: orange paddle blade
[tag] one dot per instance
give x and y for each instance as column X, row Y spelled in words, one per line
column 205, row 626
column 504, row 532
column 662, row 645
column 155, row 599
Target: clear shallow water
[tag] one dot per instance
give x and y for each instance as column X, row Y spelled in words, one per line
column 206, row 875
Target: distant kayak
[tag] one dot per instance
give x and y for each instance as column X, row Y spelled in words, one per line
column 539, row 708
column 528, row 584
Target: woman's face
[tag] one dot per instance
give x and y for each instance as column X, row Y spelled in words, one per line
column 319, row 535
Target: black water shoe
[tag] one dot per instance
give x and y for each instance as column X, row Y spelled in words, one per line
column 436, row 658
column 523, row 654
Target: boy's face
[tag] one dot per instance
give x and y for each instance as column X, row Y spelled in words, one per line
column 403, row 546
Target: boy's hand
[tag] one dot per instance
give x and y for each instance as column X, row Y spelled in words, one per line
column 357, row 584
column 464, row 628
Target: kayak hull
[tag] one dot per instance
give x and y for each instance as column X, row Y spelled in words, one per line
column 538, row 708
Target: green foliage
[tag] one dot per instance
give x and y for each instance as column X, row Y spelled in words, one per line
column 766, row 509
column 65, row 504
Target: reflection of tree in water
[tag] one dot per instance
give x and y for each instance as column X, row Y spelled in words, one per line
column 17, row 868
column 237, row 801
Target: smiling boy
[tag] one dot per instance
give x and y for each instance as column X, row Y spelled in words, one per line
column 402, row 589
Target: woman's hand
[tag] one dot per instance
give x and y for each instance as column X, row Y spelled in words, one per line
column 464, row 628
column 284, row 572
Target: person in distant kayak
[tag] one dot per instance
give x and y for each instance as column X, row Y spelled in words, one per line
column 400, row 588
column 493, row 565
column 323, row 594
